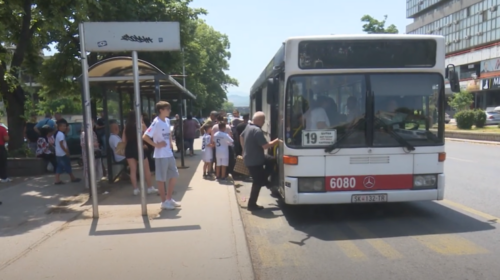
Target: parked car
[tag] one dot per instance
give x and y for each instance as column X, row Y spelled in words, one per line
column 492, row 117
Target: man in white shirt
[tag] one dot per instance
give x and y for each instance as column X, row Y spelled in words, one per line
column 166, row 166
column 114, row 139
column 317, row 118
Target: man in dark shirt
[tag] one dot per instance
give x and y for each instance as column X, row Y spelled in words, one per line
column 100, row 131
column 260, row 166
column 239, row 129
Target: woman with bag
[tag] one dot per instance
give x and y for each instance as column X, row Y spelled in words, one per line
column 97, row 156
column 132, row 155
column 46, row 150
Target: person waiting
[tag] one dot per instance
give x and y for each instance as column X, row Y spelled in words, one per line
column 114, row 139
column 44, row 149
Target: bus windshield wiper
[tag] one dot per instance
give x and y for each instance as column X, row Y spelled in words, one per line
column 394, row 135
column 351, row 129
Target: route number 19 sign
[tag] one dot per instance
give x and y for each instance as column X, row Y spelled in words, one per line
column 311, row 138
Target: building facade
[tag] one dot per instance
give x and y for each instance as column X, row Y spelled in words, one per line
column 472, row 32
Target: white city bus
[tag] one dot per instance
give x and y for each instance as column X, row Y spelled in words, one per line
column 361, row 117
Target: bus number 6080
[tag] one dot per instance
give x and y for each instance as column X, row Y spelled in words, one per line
column 345, row 183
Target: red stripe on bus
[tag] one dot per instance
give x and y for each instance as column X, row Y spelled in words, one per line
column 369, row 182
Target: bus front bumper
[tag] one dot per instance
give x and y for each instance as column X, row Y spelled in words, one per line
column 292, row 196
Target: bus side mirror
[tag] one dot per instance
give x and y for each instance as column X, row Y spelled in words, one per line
column 452, row 76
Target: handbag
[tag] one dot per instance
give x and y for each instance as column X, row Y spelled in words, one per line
column 240, row 166
column 120, row 149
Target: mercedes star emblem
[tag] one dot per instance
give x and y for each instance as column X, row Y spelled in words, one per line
column 369, row 182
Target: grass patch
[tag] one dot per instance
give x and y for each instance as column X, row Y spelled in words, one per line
column 487, row 129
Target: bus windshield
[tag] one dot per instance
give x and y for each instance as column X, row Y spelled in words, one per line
column 364, row 110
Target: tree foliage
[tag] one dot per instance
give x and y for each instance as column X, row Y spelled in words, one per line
column 32, row 25
column 228, row 106
column 373, row 26
column 26, row 27
column 461, row 101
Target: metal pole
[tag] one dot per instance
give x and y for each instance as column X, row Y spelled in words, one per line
column 184, row 82
column 89, row 133
column 138, row 120
column 181, row 128
column 106, row 148
column 157, row 90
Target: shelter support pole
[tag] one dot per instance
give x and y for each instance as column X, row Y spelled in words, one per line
column 149, row 109
column 138, row 120
column 157, row 89
column 181, row 128
column 87, row 113
column 120, row 107
column 107, row 150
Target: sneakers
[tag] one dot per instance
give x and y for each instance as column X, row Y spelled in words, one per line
column 170, row 204
column 175, row 203
column 150, row 190
column 6, row 180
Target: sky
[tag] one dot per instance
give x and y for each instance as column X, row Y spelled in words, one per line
column 257, row 28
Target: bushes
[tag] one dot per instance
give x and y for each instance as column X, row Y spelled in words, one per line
column 480, row 120
column 465, row 119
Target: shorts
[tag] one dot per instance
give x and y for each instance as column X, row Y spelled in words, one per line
column 207, row 156
column 165, row 169
column 222, row 161
column 63, row 165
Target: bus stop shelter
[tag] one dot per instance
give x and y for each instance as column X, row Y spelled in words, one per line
column 117, row 74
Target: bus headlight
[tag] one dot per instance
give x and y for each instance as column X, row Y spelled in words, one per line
column 424, row 181
column 311, row 184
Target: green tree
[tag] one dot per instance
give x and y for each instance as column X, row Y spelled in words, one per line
column 227, row 106
column 461, row 101
column 373, row 26
column 27, row 27
column 206, row 51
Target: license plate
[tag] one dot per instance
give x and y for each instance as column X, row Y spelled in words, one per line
column 368, row 198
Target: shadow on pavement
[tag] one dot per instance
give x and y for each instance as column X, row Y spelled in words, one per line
column 120, row 194
column 147, row 229
column 32, row 202
column 325, row 222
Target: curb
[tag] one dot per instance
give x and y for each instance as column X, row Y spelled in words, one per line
column 245, row 266
column 473, row 141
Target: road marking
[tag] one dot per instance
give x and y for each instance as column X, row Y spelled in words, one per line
column 272, row 254
column 380, row 245
column 445, row 243
column 348, row 247
column 459, row 159
column 478, row 213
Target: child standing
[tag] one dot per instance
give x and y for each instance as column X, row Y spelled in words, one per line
column 222, row 141
column 62, row 153
column 207, row 149
column 165, row 164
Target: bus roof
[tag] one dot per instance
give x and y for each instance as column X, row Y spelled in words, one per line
column 365, row 37
column 279, row 57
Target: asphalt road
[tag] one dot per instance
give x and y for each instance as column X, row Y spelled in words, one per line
column 458, row 238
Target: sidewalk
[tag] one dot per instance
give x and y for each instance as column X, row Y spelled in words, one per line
column 202, row 240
